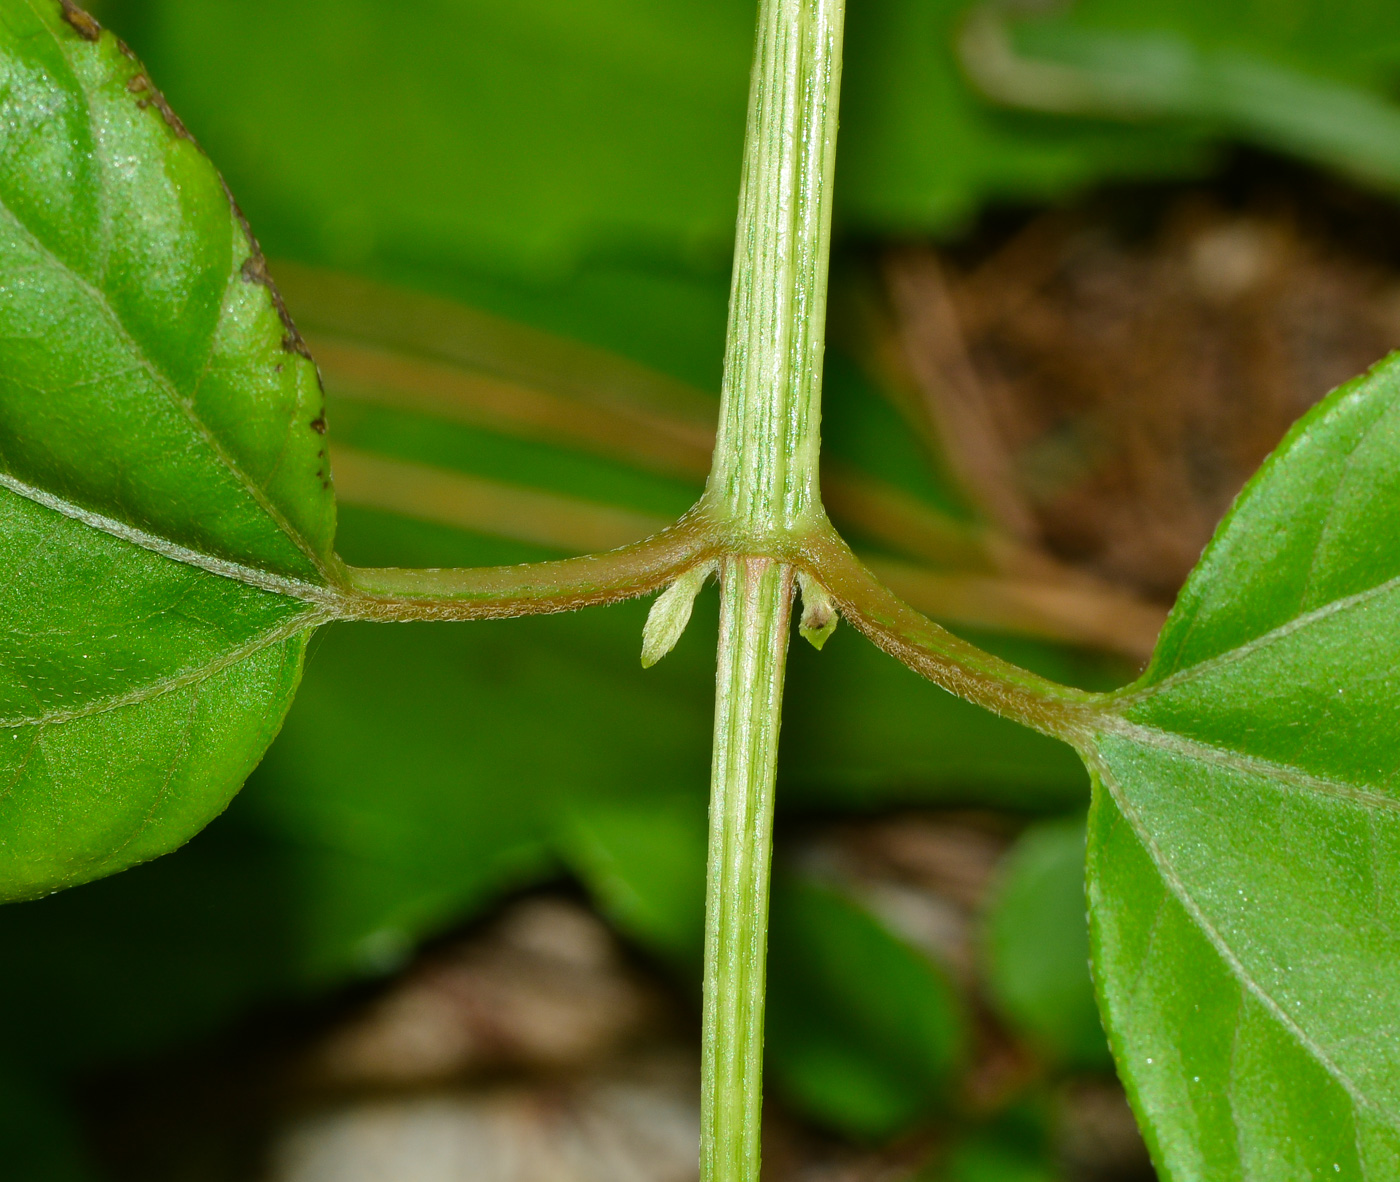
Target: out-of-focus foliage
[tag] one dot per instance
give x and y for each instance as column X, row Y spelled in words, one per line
column 38, row 1135
column 862, row 1032
column 1014, row 1148
column 1313, row 79
column 526, row 138
column 1036, row 946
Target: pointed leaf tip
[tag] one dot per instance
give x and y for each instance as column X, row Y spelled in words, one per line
column 671, row 613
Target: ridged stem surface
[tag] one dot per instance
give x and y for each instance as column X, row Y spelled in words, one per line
column 755, row 617
column 764, row 477
column 763, row 498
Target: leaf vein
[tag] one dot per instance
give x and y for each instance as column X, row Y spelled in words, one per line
column 326, row 598
column 163, row 794
column 1223, row 949
column 165, row 685
column 1251, row 765
column 1132, row 696
column 23, row 764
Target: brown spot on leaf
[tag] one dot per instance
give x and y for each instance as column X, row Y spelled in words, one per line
column 318, row 424
column 254, row 270
column 151, row 97
column 87, row 28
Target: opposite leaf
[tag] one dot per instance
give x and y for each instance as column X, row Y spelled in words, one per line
column 166, row 517
column 1244, row 846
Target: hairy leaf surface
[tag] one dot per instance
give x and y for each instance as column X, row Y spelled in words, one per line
column 1244, row 858
column 166, row 517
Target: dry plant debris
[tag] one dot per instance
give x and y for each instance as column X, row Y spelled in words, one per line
column 1104, row 382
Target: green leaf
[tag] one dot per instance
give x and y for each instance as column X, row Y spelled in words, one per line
column 1297, row 85
column 1036, row 946
column 520, row 138
column 922, row 150
column 1245, row 832
column 644, row 864
column 1015, row 1147
column 863, row 1031
column 165, row 509
column 1349, row 40
column 531, row 139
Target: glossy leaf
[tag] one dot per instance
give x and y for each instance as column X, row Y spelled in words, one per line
column 165, row 509
column 1245, row 833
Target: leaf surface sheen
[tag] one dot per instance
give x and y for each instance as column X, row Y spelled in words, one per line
column 1244, row 852
column 166, row 519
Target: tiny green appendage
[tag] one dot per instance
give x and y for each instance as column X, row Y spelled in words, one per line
column 671, row 613
column 819, row 613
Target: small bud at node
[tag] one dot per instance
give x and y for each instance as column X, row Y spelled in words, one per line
column 819, row 612
column 671, row 613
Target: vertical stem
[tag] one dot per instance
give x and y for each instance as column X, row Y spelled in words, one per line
column 763, row 490
column 764, row 477
column 754, row 625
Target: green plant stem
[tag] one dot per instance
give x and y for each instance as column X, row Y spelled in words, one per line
column 755, row 618
column 764, row 480
column 763, row 497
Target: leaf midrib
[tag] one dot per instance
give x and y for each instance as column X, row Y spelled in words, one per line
column 326, row 598
column 1222, row 947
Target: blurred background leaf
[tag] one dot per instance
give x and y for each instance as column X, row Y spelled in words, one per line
column 1036, row 946
column 1315, row 81
column 41, row 1139
column 528, row 140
